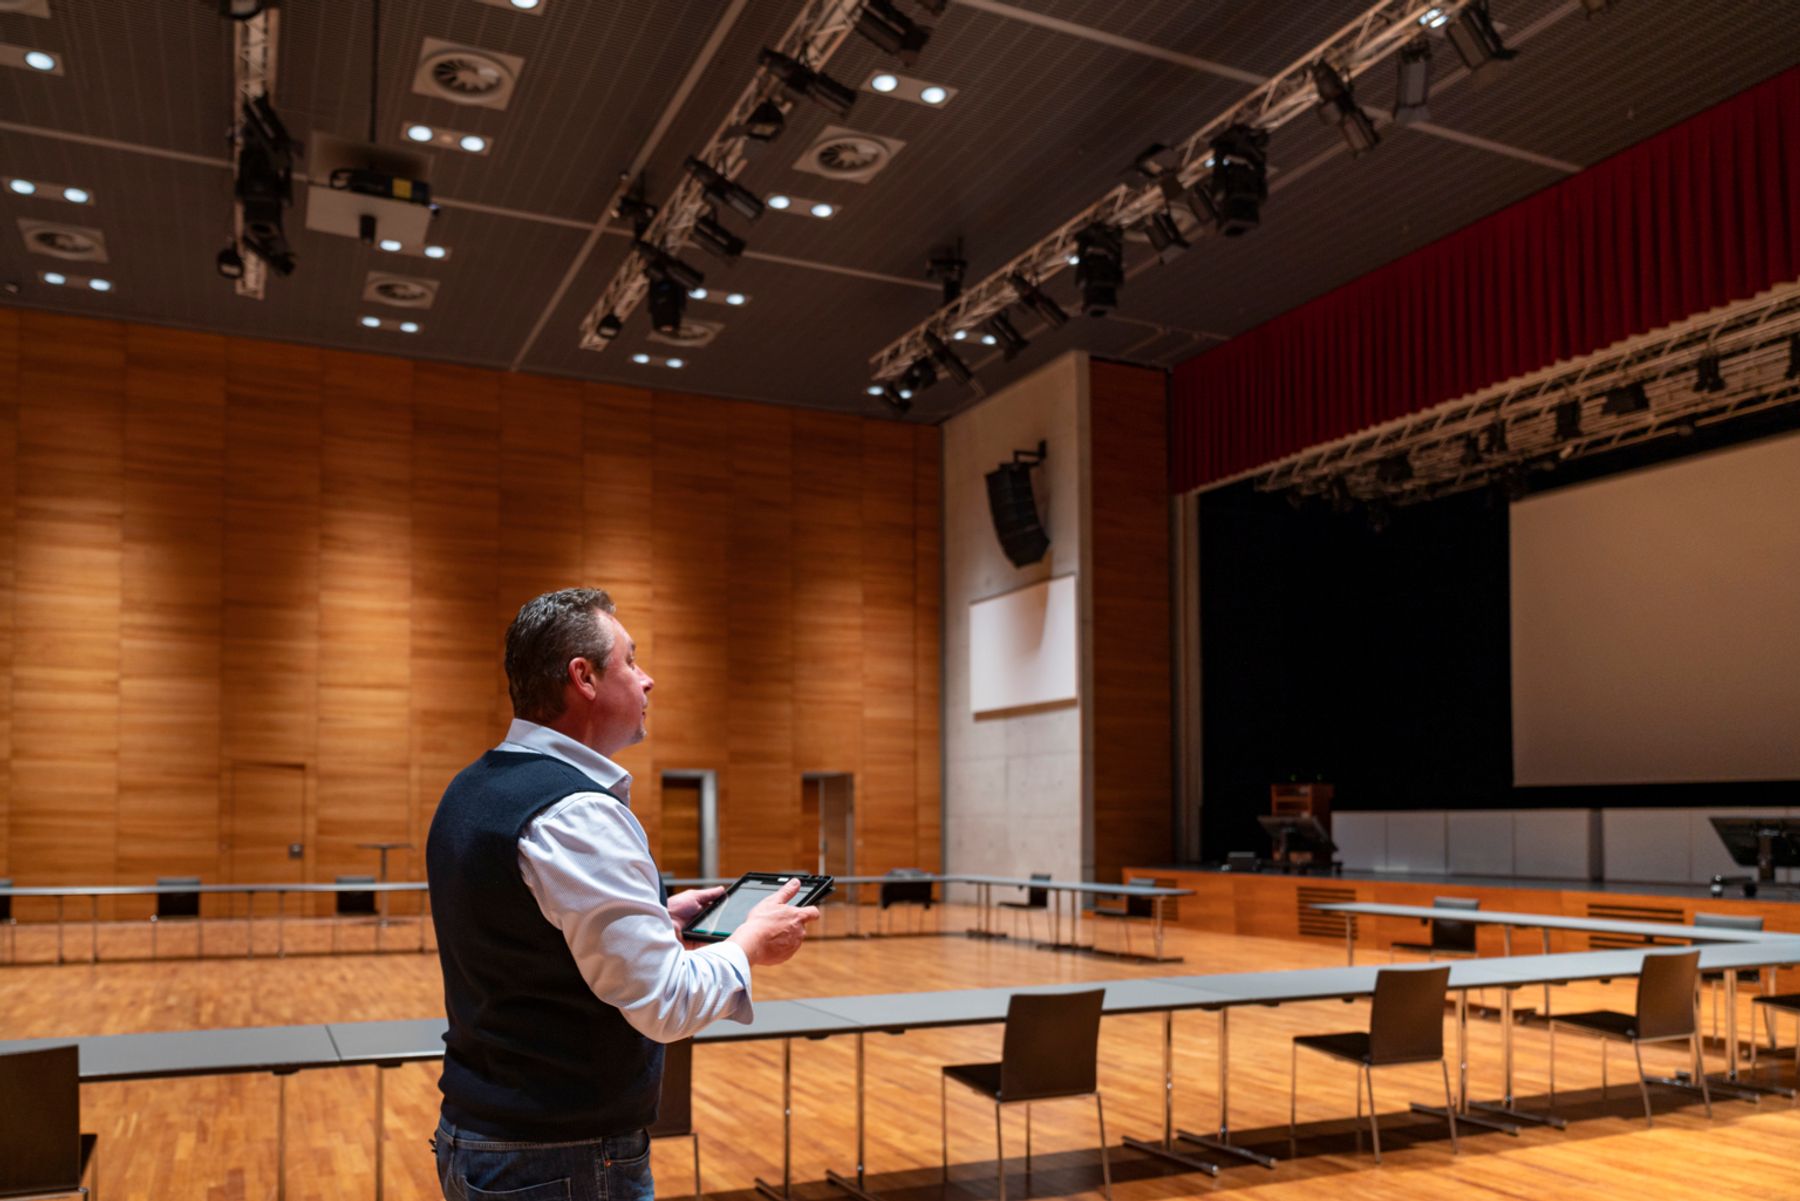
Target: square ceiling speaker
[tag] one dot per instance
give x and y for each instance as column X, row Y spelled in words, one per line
column 77, row 243
column 691, row 335
column 848, row 155
column 466, row 75
column 401, row 291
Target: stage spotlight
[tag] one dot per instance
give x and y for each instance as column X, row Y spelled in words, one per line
column 1568, row 421
column 1011, row 342
column 1101, row 269
column 1707, row 376
column 1395, row 469
column 265, row 184
column 608, row 327
column 948, row 267
column 1476, row 41
column 230, row 263
column 946, row 358
column 716, row 240
column 803, row 83
column 721, row 190
column 765, row 123
column 899, row 399
column 1232, row 195
column 1412, row 89
column 920, row 376
column 1033, row 298
column 668, row 304
column 1337, row 106
column 892, row 30
column 659, row 262
column 1165, row 236
column 1621, row 401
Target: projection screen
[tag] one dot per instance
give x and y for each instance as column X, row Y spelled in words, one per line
column 1656, row 623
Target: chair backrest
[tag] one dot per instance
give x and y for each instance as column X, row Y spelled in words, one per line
column 1665, row 999
column 675, row 1113
column 1052, row 1044
column 177, row 904
column 1038, row 898
column 355, row 903
column 1728, row 921
column 1448, row 935
column 1406, row 1020
column 40, row 1140
column 5, row 902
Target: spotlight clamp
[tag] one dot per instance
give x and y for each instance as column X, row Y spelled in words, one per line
column 1359, row 45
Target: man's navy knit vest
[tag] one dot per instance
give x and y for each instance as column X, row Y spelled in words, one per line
column 532, row 1055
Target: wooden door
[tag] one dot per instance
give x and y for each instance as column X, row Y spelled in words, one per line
column 264, row 824
column 680, row 826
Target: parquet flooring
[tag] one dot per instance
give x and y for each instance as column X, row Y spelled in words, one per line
column 214, row 1139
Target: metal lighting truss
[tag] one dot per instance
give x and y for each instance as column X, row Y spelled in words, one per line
column 1352, row 50
column 253, row 71
column 1751, row 341
column 812, row 39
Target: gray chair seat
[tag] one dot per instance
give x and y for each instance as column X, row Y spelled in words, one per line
column 1351, row 1044
column 982, row 1077
column 1604, row 1021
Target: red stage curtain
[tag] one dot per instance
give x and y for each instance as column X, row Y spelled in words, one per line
column 1703, row 214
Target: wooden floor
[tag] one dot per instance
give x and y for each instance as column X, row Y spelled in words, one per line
column 214, row 1139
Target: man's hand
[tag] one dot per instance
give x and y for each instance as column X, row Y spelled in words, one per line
column 684, row 907
column 774, row 930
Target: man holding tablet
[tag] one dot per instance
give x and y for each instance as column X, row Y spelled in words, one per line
column 564, row 966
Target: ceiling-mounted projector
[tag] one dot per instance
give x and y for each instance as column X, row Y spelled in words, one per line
column 368, row 192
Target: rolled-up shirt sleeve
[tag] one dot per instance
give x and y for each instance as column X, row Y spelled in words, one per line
column 588, row 863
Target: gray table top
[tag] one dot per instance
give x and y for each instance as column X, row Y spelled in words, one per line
column 1084, row 886
column 148, row 890
column 163, row 1054
column 1553, row 921
column 388, row 1042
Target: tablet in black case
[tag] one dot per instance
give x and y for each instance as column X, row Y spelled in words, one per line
column 720, row 919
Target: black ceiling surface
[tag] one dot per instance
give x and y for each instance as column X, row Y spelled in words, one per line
column 1055, row 97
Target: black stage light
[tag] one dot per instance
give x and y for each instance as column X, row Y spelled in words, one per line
column 1793, row 367
column 668, row 304
column 1165, row 236
column 1397, row 468
column 230, row 263
column 728, row 192
column 1412, row 87
column 1337, row 106
column 265, row 184
column 1476, row 41
column 635, row 209
column 1100, row 267
column 920, row 376
column 1568, row 421
column 895, row 397
column 892, row 30
column 608, row 327
column 1621, row 401
column 948, row 267
column 765, row 123
column 1154, row 161
column 1011, row 342
column 659, row 262
column 1232, row 195
column 1471, row 451
column 1496, row 436
column 1033, row 298
column 946, row 358
column 1707, row 376
column 715, row 239
column 803, row 83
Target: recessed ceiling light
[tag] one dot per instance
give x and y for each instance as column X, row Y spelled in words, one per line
column 371, row 322
column 1434, row 18
column 988, row 339
column 419, row 133
column 822, row 210
column 1074, row 260
column 527, row 5
column 23, row 187
column 673, row 362
column 391, row 245
column 906, row 394
column 934, row 95
column 734, row 298
column 100, row 285
column 55, row 277
column 778, row 201
column 38, row 60
column 474, row 143
column 884, row 82
column 436, row 252
column 409, row 327
column 696, row 293
column 959, row 335
column 873, row 389
column 75, row 195
column 640, row 359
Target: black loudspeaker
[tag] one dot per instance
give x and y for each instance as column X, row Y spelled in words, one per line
column 1014, row 510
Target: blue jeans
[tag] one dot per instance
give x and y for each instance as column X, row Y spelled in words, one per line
column 472, row 1168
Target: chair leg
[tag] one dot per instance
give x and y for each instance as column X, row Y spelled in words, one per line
column 1450, row 1108
column 1700, row 1073
column 999, row 1152
column 1552, row 1026
column 1105, row 1158
column 944, row 1121
column 1643, row 1086
column 1605, row 1090
column 1374, row 1126
column 1027, row 1144
column 1293, row 1091
column 698, row 1195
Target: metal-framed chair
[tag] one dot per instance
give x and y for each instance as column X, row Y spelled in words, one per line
column 11, row 923
column 1668, row 1010
column 1127, row 908
column 1751, row 976
column 1406, row 1026
column 43, row 1152
column 1051, row 1051
column 1036, row 900
column 904, row 886
column 1784, row 1003
column 675, row 1112
column 178, row 907
column 1449, row 938
column 355, row 905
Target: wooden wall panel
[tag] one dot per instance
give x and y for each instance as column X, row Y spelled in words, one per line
column 928, row 592
column 9, row 447
column 365, row 623
column 828, row 610
column 1133, row 777
column 886, row 804
column 69, row 498
column 173, row 617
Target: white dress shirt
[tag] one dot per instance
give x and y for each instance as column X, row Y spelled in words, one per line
column 588, row 864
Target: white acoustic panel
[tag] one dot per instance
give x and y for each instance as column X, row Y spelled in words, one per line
column 1415, row 842
column 1480, row 842
column 1022, row 650
column 1361, row 840
column 1648, row 845
column 1552, row 844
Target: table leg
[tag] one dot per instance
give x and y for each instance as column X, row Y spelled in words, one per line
column 94, row 930
column 1505, row 1106
column 281, row 1138
column 1462, row 1078
column 1221, row 1141
column 1350, row 940
column 1733, row 1083
column 380, row 1125
column 280, row 924
column 857, row 1189
column 787, row 1128
column 1165, row 1149
column 250, row 925
column 59, row 930
column 1156, row 910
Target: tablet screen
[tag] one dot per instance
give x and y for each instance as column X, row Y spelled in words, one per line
column 730, row 913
